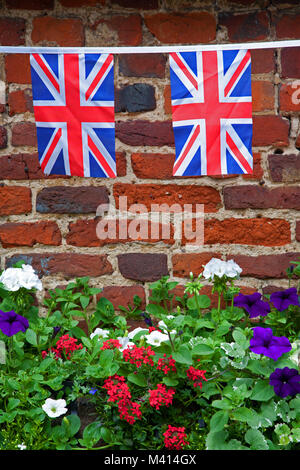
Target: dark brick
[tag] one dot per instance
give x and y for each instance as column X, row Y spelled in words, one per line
column 30, row 4
column 142, row 65
column 23, row 166
column 141, row 4
column 12, row 31
column 290, row 64
column 261, row 197
column 298, row 230
column 68, row 264
column 284, row 168
column 143, row 266
column 246, row 27
column 145, row 133
column 24, row 133
column 3, row 137
column 135, row 98
column 71, row 200
column 265, row 266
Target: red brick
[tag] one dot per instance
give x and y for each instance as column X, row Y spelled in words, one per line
column 284, row 168
column 143, row 266
column 169, row 194
column 290, row 64
column 85, row 232
column 17, row 68
column 270, row 130
column 128, row 28
column 15, row 200
column 288, row 26
column 23, row 166
column 30, row 4
column 262, row 61
column 263, row 95
column 121, row 163
column 246, row 27
column 298, row 231
column 20, row 101
column 184, row 263
column 265, row 266
column 12, row 31
column 167, row 100
column 123, row 295
column 261, row 197
column 142, row 65
column 153, row 165
column 257, row 168
column 71, row 200
column 70, row 265
column 3, row 137
column 29, row 234
column 252, row 231
column 145, row 133
column 182, row 28
column 81, row 3
column 24, row 133
column 289, row 97
column 62, row 31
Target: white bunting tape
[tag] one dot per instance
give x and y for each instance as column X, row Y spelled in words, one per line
column 148, row 49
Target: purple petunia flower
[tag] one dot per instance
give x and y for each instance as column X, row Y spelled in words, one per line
column 282, row 299
column 252, row 304
column 263, row 342
column 11, row 323
column 285, row 381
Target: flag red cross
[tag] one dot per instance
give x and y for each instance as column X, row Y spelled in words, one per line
column 212, row 110
column 74, row 114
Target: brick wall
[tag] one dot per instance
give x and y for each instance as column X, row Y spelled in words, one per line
column 50, row 221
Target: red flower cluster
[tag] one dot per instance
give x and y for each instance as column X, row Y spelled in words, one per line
column 196, row 375
column 139, row 355
column 161, row 396
column 175, row 438
column 166, row 364
column 111, row 344
column 65, row 346
column 119, row 393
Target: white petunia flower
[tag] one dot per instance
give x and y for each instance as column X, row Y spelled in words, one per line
column 232, row 268
column 22, row 446
column 124, row 341
column 55, row 408
column 15, row 278
column 155, row 338
column 164, row 327
column 220, row 268
column 134, row 332
column 100, row 333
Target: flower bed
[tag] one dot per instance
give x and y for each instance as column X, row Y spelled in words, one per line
column 191, row 378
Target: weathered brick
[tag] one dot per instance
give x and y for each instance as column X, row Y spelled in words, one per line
column 62, row 31
column 265, row 266
column 143, row 266
column 17, row 68
column 81, row 3
column 184, row 263
column 20, row 101
column 182, row 28
column 24, row 133
column 12, row 31
column 89, row 233
column 135, row 98
column 127, row 28
column 262, row 61
column 150, row 194
column 141, row 4
column 270, row 130
column 252, row 231
column 290, row 64
column 257, row 168
column 23, row 166
column 261, row 197
column 15, row 200
column 71, row 200
column 142, row 65
column 298, row 230
column 68, row 264
column 123, row 295
column 153, row 165
column 287, row 26
column 30, row 4
column 121, row 163
column 167, row 100
column 154, row 133
column 289, row 96
column 284, row 168
column 263, row 95
column 246, row 27
column 3, row 137
column 29, row 234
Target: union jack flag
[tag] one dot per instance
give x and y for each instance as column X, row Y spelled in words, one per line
column 212, row 112
column 73, row 99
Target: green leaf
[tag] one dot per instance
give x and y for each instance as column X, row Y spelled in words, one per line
column 216, row 440
column 262, row 391
column 12, row 403
column 256, row 440
column 202, row 350
column 137, row 379
column 169, row 382
column 106, row 435
column 224, row 404
column 84, row 300
column 243, row 414
column 183, row 356
column 31, row 336
column 106, row 358
column 219, row 420
column 155, row 309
